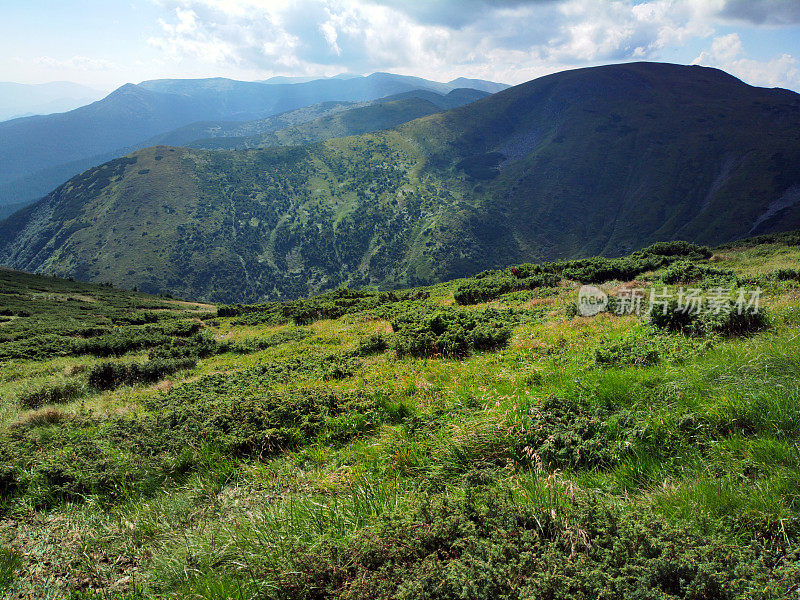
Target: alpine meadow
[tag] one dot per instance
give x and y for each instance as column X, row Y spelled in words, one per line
column 321, row 310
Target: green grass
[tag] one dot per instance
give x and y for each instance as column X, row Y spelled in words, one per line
column 580, row 457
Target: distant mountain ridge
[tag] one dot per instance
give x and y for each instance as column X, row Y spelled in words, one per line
column 597, row 161
column 38, row 153
column 317, row 122
column 20, row 99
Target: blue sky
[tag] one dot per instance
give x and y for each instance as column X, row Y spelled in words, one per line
column 106, row 44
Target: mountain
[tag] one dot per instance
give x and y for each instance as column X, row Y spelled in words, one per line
column 315, row 122
column 339, row 121
column 602, row 160
column 9, row 209
column 19, row 99
column 38, row 153
column 285, row 79
column 477, row 84
column 187, row 134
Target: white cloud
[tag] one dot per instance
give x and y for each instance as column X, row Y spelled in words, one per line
column 727, row 53
column 512, row 40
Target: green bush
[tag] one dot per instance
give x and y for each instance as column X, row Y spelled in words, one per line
column 71, row 459
column 241, row 423
column 257, row 344
column 644, row 346
column 119, row 343
column 134, row 318
column 490, row 546
column 449, row 332
column 330, row 305
column 50, row 393
column 474, row 291
column 36, row 347
column 340, row 365
column 677, row 248
column 111, row 375
column 728, row 321
column 199, row 345
column 686, row 272
column 787, row 274
column 562, row 434
column 372, row 344
column 599, row 269
column 180, row 328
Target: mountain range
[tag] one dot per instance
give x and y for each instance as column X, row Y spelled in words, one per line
column 37, row 153
column 23, row 100
column 602, row 160
column 316, row 122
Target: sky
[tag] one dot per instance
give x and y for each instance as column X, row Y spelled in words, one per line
column 104, row 44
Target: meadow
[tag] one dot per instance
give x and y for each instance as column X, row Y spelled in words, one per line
column 473, row 439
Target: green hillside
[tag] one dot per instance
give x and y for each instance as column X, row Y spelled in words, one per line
column 204, row 130
column 37, row 153
column 316, row 122
column 593, row 161
column 477, row 439
column 354, row 121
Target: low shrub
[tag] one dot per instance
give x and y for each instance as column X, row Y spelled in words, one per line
column 729, row 321
column 686, row 272
column 119, row 343
column 449, row 332
column 49, row 393
column 677, row 248
column 562, row 434
column 256, row 344
column 199, row 345
column 787, row 274
column 184, row 328
column 330, row 305
column 474, row 291
column 36, row 347
column 243, row 424
column 217, row 416
column 372, row 344
column 340, row 365
column 600, row 269
column 644, row 346
column 491, row 546
column 134, row 318
column 111, row 375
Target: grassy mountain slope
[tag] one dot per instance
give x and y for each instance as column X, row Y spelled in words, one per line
column 355, row 120
column 340, row 447
column 316, row 122
column 36, row 152
column 592, row 161
column 187, row 134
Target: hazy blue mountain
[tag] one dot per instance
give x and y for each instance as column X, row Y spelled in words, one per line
column 21, row 99
column 477, row 84
column 316, row 122
column 287, row 79
column 38, row 153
